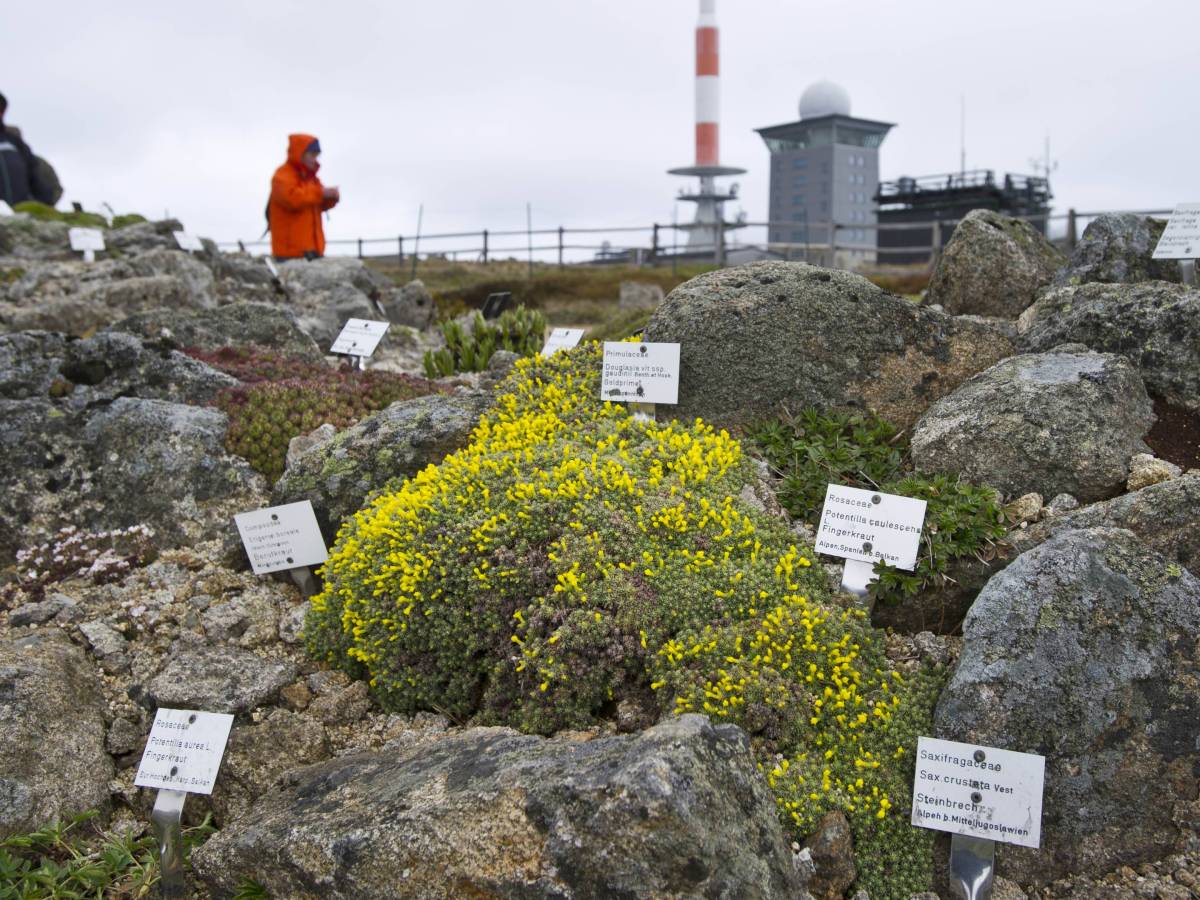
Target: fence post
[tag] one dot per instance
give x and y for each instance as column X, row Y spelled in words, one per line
column 935, row 251
column 654, row 247
column 400, row 248
column 485, row 244
column 719, row 249
column 360, row 248
column 560, row 246
column 1072, row 229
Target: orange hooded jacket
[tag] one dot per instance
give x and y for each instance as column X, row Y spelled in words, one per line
column 296, row 204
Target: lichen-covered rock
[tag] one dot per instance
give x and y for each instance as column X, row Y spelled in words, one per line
column 412, row 305
column 256, row 755
column 77, row 374
column 677, row 811
column 1084, row 650
column 219, row 678
column 769, row 334
column 164, row 465
column 327, row 292
column 26, row 237
column 1165, row 517
column 1068, row 420
column 143, row 237
column 235, row 324
column 126, row 462
column 340, row 474
column 1145, row 470
column 1155, row 325
column 1118, row 248
column 993, row 265
column 832, row 850
column 53, row 764
column 78, row 298
column 639, row 295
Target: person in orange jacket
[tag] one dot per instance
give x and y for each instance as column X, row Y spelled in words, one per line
column 297, row 200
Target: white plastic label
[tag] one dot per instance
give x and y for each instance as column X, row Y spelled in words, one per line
column 282, row 537
column 869, row 526
column 184, row 750
column 640, row 373
column 1181, row 238
column 5, row 209
column 562, row 339
column 979, row 791
column 188, row 242
column 359, row 337
column 86, row 239
column 271, row 266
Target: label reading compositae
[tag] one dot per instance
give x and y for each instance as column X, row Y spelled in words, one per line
column 282, row 537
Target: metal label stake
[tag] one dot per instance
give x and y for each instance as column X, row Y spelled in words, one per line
column 167, row 819
column 361, row 363
column 972, row 863
column 1187, row 271
column 643, row 412
column 305, row 580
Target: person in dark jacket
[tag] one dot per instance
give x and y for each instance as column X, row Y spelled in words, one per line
column 22, row 175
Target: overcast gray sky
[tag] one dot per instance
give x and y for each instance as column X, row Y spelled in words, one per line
column 475, row 107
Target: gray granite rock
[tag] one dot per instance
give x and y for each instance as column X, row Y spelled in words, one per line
column 1118, row 248
column 339, row 475
column 678, row 810
column 1066, row 420
column 262, row 324
column 1155, row 325
column 1084, row 650
column 257, row 755
column 754, row 338
column 993, row 265
column 53, row 764
column 219, row 678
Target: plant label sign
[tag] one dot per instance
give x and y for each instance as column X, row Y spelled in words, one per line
column 5, row 209
column 359, row 337
column 189, row 242
column 982, row 792
column 184, row 751
column 271, row 267
column 84, row 239
column 562, row 339
column 1181, row 238
column 282, row 537
column 870, row 526
column 640, row 373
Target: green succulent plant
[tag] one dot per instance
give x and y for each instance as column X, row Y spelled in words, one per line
column 265, row 414
column 521, row 331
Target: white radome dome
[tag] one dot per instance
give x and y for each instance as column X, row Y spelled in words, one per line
column 824, row 98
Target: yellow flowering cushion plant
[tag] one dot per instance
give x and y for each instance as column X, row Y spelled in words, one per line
column 573, row 562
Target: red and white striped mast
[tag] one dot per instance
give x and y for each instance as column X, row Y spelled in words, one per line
column 702, row 234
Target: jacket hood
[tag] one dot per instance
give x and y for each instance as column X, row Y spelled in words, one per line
column 297, row 144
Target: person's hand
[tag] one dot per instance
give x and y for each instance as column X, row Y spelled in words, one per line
column 332, row 193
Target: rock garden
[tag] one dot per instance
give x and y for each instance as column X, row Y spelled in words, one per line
column 561, row 651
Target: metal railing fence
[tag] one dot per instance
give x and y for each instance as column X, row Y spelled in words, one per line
column 839, row 244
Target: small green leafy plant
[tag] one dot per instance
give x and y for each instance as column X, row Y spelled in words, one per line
column 75, row 860
column 814, row 449
column 521, row 331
